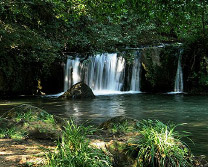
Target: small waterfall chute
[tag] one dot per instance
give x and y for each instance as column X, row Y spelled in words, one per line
column 178, row 88
column 72, row 73
column 135, row 78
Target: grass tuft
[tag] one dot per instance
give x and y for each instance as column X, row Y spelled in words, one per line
column 74, row 150
column 123, row 127
column 160, row 145
column 12, row 133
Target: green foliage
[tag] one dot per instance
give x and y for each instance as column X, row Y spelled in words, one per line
column 24, row 116
column 50, row 27
column 46, row 117
column 160, row 145
column 31, row 116
column 12, row 133
column 195, row 62
column 128, row 56
column 74, row 150
column 23, row 122
column 123, row 127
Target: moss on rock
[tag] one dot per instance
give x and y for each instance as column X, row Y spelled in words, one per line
column 120, row 122
column 78, row 91
column 32, row 122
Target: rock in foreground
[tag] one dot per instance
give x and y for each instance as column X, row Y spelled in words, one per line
column 78, row 91
column 28, row 121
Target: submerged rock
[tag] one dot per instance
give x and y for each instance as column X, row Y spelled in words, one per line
column 32, row 122
column 78, row 91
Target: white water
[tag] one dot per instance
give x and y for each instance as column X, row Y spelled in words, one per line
column 72, row 73
column 54, row 95
column 179, row 76
column 106, row 92
column 135, row 79
column 103, row 73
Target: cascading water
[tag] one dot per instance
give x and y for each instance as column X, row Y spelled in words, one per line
column 102, row 72
column 105, row 72
column 179, row 76
column 72, row 73
column 135, row 78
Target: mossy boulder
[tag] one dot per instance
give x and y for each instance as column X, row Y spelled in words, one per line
column 5, row 123
column 23, row 109
column 119, row 122
column 121, row 155
column 41, row 130
column 78, row 91
column 32, row 122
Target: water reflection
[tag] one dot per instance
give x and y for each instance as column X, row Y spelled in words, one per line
column 93, row 109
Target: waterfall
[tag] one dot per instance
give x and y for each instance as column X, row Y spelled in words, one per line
column 105, row 72
column 102, row 72
column 135, row 78
column 72, row 73
column 179, row 76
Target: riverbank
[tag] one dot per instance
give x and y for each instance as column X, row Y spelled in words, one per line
column 19, row 153
column 28, row 133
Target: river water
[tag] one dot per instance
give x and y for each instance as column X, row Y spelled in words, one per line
column 191, row 111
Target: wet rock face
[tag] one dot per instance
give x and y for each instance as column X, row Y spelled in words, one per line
column 78, row 91
column 159, row 66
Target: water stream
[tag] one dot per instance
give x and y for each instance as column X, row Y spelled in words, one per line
column 135, row 78
column 179, row 76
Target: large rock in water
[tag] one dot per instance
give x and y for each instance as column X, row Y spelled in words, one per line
column 79, row 90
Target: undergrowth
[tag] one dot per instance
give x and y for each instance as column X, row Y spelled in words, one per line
column 160, row 145
column 12, row 133
column 73, row 150
column 123, row 127
column 31, row 116
column 21, row 121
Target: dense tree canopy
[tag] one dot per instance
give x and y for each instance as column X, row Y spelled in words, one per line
column 67, row 24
